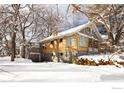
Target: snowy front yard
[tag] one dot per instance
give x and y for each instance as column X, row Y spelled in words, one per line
column 25, row 70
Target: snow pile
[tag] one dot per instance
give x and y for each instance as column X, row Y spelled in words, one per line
column 6, row 60
column 104, row 57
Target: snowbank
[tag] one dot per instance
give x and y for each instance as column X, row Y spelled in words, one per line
column 104, row 57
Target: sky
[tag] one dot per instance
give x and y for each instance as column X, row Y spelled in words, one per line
column 73, row 19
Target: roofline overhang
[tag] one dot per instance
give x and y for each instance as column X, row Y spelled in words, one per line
column 87, row 36
column 59, row 36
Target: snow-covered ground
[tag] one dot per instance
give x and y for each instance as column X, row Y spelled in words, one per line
column 25, row 70
column 6, row 60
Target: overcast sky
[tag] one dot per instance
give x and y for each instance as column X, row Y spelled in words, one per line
column 74, row 19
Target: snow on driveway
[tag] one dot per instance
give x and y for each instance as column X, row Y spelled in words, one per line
column 59, row 72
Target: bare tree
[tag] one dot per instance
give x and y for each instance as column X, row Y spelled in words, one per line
column 9, row 16
column 111, row 16
column 26, row 20
column 22, row 24
column 15, row 19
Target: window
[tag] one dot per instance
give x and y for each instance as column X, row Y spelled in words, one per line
column 61, row 54
column 86, row 31
column 61, row 40
column 83, row 41
column 69, row 41
column 52, row 42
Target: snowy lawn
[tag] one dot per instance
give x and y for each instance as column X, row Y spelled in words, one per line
column 6, row 60
column 25, row 70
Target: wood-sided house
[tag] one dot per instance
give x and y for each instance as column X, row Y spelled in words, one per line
column 75, row 41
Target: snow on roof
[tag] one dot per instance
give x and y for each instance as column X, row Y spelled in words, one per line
column 68, row 33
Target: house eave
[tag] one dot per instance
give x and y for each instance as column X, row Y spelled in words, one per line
column 71, row 32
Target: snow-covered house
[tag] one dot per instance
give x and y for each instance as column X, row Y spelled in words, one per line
column 75, row 41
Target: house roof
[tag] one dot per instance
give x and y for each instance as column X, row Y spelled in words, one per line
column 68, row 33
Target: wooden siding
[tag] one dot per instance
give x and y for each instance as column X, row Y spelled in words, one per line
column 52, row 46
column 62, row 47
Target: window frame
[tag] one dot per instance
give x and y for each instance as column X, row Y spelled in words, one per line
column 82, row 39
column 70, row 42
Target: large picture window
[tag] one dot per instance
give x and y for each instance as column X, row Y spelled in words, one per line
column 69, row 41
column 83, row 41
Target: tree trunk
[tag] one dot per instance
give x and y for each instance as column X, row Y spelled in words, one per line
column 23, row 51
column 117, row 39
column 13, row 46
column 110, row 36
column 58, row 56
column 15, row 25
